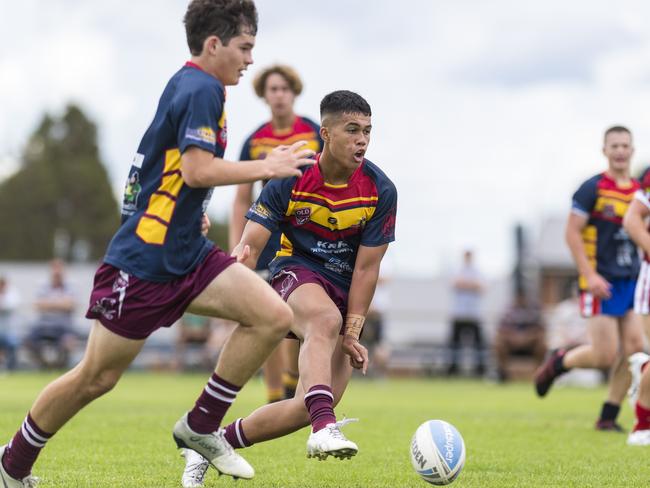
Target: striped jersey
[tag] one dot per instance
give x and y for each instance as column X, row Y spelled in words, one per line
column 264, row 140
column 323, row 225
column 607, row 245
column 643, row 195
column 160, row 235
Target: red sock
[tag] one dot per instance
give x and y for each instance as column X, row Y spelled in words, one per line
column 319, row 400
column 212, row 405
column 21, row 453
column 235, row 435
column 642, row 418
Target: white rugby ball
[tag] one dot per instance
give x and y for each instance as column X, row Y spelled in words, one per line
column 437, row 452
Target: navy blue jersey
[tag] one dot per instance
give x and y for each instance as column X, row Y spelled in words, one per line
column 264, row 140
column 607, row 245
column 323, row 225
column 160, row 235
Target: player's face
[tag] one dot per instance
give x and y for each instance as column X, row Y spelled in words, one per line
column 230, row 62
column 347, row 138
column 618, row 150
column 278, row 95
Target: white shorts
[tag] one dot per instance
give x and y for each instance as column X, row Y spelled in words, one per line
column 642, row 290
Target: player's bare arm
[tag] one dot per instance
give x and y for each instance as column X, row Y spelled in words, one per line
column 252, row 243
column 201, row 169
column 635, row 225
column 362, row 289
column 597, row 285
column 240, row 205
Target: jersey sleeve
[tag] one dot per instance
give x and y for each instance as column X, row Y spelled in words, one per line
column 584, row 198
column 197, row 113
column 245, row 154
column 380, row 229
column 270, row 208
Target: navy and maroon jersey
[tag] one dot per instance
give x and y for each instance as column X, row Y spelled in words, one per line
column 160, row 236
column 264, row 140
column 607, row 245
column 323, row 225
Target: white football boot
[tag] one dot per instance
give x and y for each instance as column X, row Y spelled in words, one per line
column 636, row 360
column 9, row 482
column 195, row 468
column 215, row 448
column 639, row 438
column 330, row 441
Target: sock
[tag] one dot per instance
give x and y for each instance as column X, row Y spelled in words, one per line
column 557, row 364
column 290, row 382
column 274, row 394
column 235, row 435
column 609, row 411
column 21, row 453
column 642, row 418
column 319, row 400
column 212, row 405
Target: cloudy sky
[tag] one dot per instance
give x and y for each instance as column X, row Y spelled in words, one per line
column 484, row 113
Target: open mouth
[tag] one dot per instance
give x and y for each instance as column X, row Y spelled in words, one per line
column 358, row 156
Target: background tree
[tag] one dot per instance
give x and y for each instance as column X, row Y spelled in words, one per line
column 60, row 202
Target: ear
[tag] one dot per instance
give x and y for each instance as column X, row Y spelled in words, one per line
column 211, row 44
column 324, row 133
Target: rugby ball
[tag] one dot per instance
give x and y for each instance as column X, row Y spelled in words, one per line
column 437, row 452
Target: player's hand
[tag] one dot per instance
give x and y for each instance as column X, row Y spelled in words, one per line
column 357, row 352
column 284, row 161
column 599, row 286
column 241, row 253
column 205, row 224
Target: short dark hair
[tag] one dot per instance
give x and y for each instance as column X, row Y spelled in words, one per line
column 222, row 18
column 616, row 128
column 344, row 102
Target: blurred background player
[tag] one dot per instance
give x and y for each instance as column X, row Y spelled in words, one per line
column 636, row 224
column 278, row 86
column 9, row 302
column 608, row 263
column 337, row 220
column 466, row 327
column 160, row 264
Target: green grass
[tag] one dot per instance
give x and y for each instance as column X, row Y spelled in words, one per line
column 513, row 439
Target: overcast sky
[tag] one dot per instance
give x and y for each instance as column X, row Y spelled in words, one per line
column 484, row 113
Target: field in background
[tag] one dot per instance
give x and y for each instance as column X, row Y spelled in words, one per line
column 513, row 439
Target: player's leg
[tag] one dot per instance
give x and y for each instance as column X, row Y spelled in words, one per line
column 240, row 295
column 273, row 370
column 600, row 353
column 106, row 357
column 454, row 346
column 290, row 376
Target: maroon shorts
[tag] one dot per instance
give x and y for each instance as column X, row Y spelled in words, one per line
column 291, row 277
column 134, row 308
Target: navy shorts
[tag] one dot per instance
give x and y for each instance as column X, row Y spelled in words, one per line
column 134, row 308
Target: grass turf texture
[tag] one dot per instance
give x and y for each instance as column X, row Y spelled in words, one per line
column 513, row 439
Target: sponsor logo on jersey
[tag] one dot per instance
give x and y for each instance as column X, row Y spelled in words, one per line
column 260, row 210
column 203, row 134
column 302, row 215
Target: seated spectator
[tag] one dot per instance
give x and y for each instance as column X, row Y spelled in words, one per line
column 9, row 301
column 193, row 330
column 53, row 338
column 521, row 332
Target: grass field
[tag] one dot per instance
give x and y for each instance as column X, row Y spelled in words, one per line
column 513, row 439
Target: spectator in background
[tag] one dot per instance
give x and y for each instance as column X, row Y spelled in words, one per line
column 520, row 333
column 466, row 327
column 193, row 330
column 53, row 338
column 9, row 301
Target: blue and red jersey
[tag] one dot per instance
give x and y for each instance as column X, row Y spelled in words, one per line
column 607, row 245
column 264, row 140
column 160, row 235
column 323, row 225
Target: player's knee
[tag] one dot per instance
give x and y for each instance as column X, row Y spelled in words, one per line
column 326, row 325
column 100, row 383
column 280, row 317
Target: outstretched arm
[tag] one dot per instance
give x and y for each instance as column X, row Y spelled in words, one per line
column 362, row 289
column 252, row 243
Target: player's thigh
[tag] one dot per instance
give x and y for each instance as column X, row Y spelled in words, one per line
column 631, row 333
column 314, row 311
column 238, row 294
column 603, row 332
column 108, row 353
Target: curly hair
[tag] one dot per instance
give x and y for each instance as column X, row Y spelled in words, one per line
column 287, row 72
column 222, row 18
